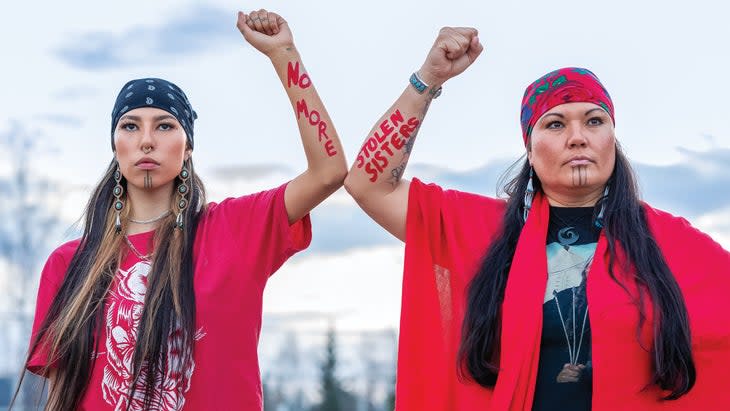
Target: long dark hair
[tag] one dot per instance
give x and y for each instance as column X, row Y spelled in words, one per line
column 624, row 223
column 75, row 318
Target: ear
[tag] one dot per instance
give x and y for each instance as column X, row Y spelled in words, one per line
column 529, row 151
column 188, row 154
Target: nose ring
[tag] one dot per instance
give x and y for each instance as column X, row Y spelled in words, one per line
column 147, row 149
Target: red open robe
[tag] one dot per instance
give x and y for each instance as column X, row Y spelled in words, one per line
column 447, row 235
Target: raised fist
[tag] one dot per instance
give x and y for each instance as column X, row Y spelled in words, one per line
column 455, row 49
column 266, row 31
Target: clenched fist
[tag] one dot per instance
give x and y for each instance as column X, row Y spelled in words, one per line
column 265, row 31
column 455, row 49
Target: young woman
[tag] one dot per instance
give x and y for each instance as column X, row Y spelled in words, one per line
column 570, row 295
column 158, row 305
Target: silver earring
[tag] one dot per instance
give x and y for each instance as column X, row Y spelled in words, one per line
column 118, row 203
column 182, row 190
column 599, row 218
column 529, row 194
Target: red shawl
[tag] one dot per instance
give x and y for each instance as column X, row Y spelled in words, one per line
column 448, row 233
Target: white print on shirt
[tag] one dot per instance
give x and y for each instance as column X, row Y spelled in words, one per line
column 565, row 266
column 124, row 313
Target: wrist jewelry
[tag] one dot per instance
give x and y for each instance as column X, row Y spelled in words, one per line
column 421, row 86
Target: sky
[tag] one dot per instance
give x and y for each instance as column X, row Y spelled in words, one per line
column 664, row 63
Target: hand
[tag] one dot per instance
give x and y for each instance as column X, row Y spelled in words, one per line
column 571, row 373
column 267, row 32
column 455, row 49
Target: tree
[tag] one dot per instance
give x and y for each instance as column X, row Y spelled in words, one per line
column 390, row 400
column 28, row 223
column 334, row 396
column 331, row 387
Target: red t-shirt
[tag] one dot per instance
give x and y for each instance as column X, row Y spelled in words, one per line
column 239, row 244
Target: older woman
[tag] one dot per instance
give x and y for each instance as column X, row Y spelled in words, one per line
column 570, row 295
column 158, row 305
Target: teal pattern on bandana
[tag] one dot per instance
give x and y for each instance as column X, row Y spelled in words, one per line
column 565, row 85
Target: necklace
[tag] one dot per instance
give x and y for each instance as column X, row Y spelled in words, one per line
column 569, row 233
column 151, row 220
column 572, row 373
column 136, row 252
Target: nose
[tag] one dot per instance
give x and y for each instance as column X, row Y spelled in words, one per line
column 147, row 143
column 577, row 137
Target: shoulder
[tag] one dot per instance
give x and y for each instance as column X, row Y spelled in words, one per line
column 58, row 262
column 430, row 194
column 247, row 201
column 665, row 223
column 452, row 216
column 64, row 252
column 674, row 234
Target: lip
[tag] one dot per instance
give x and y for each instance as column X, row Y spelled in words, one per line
column 147, row 163
column 579, row 161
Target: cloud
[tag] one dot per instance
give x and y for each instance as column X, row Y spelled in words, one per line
column 195, row 31
column 61, row 120
column 249, row 171
column 693, row 188
column 340, row 227
column 75, row 93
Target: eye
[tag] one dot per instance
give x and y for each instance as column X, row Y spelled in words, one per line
column 595, row 121
column 166, row 126
column 554, row 125
column 128, row 126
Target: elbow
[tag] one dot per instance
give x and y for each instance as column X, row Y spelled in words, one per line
column 334, row 178
column 352, row 188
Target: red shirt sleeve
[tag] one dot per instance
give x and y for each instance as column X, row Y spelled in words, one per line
column 50, row 282
column 257, row 224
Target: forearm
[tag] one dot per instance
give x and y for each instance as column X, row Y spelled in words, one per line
column 322, row 147
column 383, row 157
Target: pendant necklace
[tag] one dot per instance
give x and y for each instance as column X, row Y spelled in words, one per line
column 574, row 347
column 143, row 257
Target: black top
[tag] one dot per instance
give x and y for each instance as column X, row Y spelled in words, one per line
column 566, row 332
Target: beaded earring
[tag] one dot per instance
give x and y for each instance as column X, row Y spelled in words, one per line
column 599, row 218
column 529, row 194
column 182, row 191
column 118, row 191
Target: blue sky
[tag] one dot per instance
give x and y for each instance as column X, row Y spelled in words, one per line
column 664, row 63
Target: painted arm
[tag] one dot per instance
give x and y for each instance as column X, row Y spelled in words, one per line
column 326, row 165
column 375, row 179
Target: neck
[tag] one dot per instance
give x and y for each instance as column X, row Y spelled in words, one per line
column 147, row 204
column 583, row 198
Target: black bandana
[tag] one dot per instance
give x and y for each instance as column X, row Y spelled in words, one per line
column 159, row 93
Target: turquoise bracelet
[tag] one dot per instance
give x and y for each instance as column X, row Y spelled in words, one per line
column 420, row 86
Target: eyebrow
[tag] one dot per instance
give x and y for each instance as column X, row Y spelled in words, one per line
column 138, row 118
column 586, row 113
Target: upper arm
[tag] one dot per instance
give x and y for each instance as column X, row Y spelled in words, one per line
column 389, row 209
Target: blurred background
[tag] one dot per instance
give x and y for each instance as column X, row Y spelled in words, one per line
column 331, row 313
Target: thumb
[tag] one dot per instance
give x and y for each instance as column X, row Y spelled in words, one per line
column 475, row 49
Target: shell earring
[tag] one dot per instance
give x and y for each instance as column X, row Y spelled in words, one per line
column 529, row 194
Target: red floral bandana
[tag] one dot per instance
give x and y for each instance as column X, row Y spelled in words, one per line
column 565, row 85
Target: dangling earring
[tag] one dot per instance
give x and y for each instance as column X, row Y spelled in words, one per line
column 118, row 203
column 599, row 218
column 529, row 194
column 182, row 191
